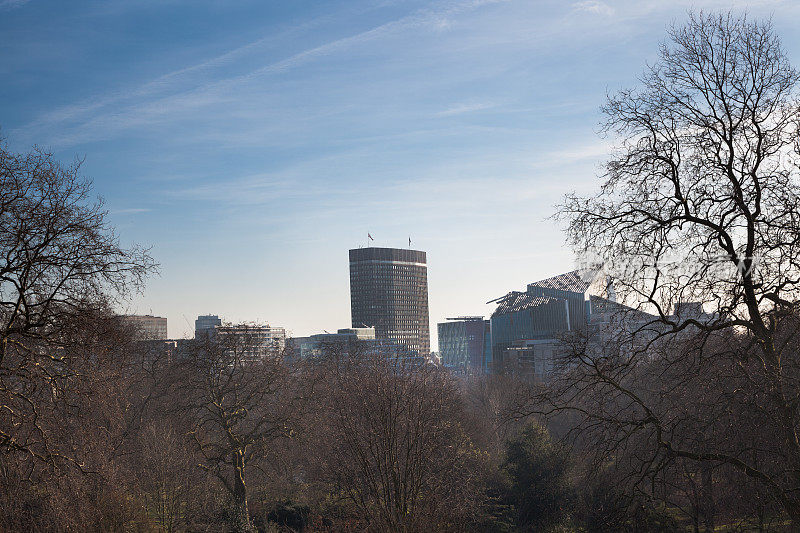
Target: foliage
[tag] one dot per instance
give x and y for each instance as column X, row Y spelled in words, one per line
column 540, row 485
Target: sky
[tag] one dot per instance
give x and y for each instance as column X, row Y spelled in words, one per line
column 251, row 143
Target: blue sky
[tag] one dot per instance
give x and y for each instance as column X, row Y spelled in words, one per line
column 252, row 143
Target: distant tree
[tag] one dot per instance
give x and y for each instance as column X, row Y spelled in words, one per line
column 86, row 427
column 699, row 204
column 496, row 404
column 237, row 405
column 61, row 266
column 540, row 481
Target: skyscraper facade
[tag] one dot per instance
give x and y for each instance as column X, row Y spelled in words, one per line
column 389, row 291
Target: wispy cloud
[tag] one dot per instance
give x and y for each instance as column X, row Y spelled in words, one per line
column 255, row 189
column 163, row 84
column 11, row 4
column 130, row 211
column 106, row 115
column 591, row 150
column 465, row 107
column 594, row 6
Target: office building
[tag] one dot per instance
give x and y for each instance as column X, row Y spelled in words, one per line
column 464, row 343
column 339, row 343
column 204, row 323
column 389, row 292
column 252, row 340
column 526, row 326
column 148, row 327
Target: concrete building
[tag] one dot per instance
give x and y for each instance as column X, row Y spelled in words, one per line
column 464, row 343
column 389, row 292
column 360, row 342
column 340, row 342
column 149, row 328
column 252, row 340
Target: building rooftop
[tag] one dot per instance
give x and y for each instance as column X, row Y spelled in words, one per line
column 569, row 281
column 517, row 301
column 387, row 254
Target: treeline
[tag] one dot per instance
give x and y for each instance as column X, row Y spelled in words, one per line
column 210, row 438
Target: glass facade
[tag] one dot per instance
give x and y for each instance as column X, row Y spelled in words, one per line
column 535, row 318
column 462, row 343
column 526, row 325
column 389, row 291
column 204, row 323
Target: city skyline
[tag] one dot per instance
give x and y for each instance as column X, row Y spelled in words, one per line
column 252, row 145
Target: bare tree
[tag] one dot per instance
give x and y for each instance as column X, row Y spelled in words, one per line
column 238, row 403
column 167, row 474
column 60, row 264
column 396, row 448
column 81, row 424
column 699, row 204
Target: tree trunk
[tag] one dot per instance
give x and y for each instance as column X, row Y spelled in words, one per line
column 241, row 517
column 708, row 508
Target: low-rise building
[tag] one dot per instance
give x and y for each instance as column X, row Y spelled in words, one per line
column 205, row 323
column 341, row 341
column 250, row 340
column 464, row 343
column 351, row 341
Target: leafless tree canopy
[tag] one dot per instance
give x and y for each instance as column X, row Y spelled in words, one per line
column 238, row 406
column 700, row 200
column 699, row 204
column 677, row 407
column 60, row 263
column 397, row 446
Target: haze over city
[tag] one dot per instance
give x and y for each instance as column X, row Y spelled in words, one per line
column 252, row 144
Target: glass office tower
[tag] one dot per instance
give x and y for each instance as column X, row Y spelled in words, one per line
column 389, row 291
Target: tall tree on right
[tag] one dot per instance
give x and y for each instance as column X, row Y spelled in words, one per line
column 699, row 203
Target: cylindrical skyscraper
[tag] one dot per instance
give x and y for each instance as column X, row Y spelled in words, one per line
column 389, row 291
